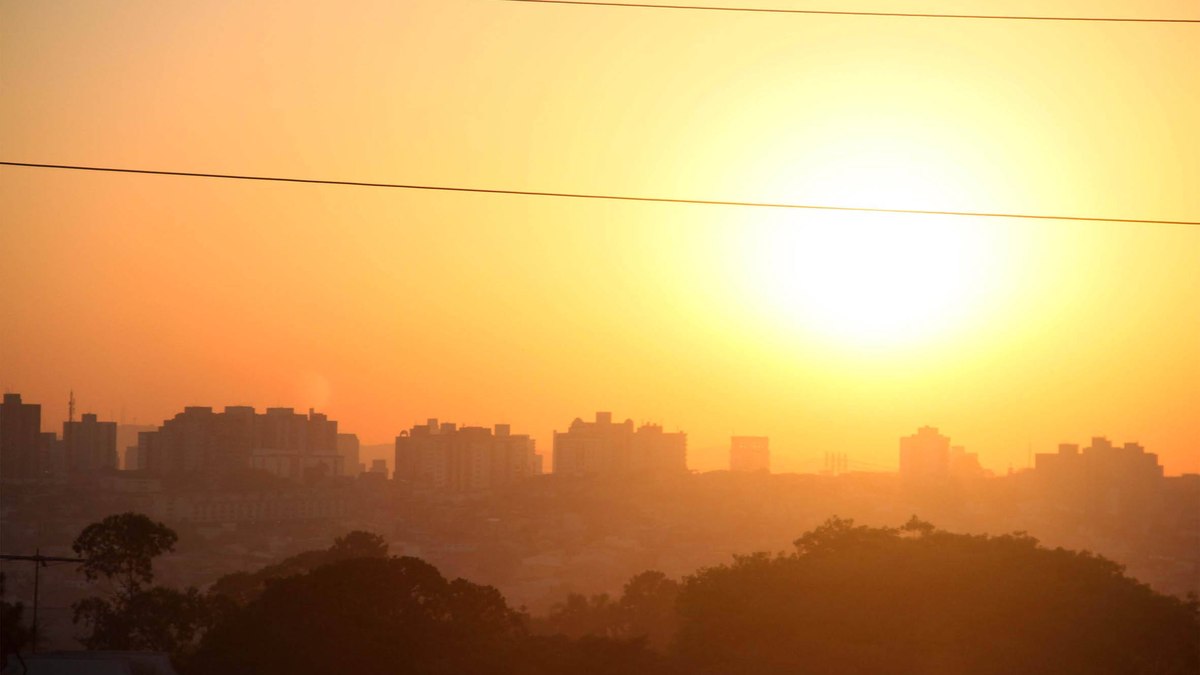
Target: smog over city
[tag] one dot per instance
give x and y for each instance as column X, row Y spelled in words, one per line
column 553, row 337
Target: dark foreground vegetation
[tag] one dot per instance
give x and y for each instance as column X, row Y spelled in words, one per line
column 849, row 599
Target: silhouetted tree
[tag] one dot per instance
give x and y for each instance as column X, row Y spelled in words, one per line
column 242, row 587
column 14, row 634
column 578, row 615
column 855, row 599
column 157, row 619
column 366, row 615
column 589, row 655
column 120, row 550
column 647, row 609
column 358, row 544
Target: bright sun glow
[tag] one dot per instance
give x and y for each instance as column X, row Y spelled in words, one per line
column 868, row 279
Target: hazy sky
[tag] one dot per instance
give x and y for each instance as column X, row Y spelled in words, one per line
column 827, row 332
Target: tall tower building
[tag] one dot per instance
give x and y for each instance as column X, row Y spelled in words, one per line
column 451, row 459
column 20, row 428
column 605, row 448
column 90, row 444
column 749, row 453
column 925, row 456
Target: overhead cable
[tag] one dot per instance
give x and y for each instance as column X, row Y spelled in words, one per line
column 596, row 196
column 829, row 12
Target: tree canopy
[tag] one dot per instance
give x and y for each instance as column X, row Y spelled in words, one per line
column 350, row 608
column 134, row 615
column 909, row 600
column 645, row 610
column 364, row 615
column 854, row 599
column 121, row 548
column 242, row 587
column 14, row 634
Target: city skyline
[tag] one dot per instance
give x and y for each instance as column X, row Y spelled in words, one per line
column 564, row 336
column 149, row 293
column 715, row 458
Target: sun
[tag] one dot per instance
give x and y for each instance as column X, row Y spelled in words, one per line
column 869, row 279
column 874, row 280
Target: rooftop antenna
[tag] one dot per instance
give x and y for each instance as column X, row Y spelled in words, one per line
column 71, row 407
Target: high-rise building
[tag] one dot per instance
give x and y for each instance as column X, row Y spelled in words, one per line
column 348, row 448
column 127, row 439
column 279, row 440
column 52, row 458
column 378, row 468
column 605, row 448
column 927, row 458
column 90, row 445
column 1101, row 479
column 657, row 452
column 20, row 429
column 749, row 453
column 446, row 458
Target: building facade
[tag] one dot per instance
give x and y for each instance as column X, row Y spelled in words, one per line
column 445, row 458
column 20, row 438
column 348, row 448
column 749, row 453
column 1101, row 479
column 605, row 448
column 199, row 439
column 89, row 445
column 927, row 458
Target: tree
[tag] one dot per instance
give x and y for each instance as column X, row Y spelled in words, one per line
column 242, row 587
column 365, row 615
column 398, row 615
column 120, row 550
column 589, row 655
column 914, row 599
column 156, row 619
column 647, row 609
column 14, row 635
column 578, row 615
column 358, row 544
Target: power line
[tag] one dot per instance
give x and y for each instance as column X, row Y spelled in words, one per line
column 39, row 561
column 608, row 197
column 827, row 12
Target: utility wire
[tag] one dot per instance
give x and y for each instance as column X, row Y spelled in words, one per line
column 608, row 197
column 906, row 15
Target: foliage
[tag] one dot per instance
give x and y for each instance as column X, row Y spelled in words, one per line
column 14, row 635
column 242, row 587
column 646, row 609
column 121, row 549
column 157, row 619
column 589, row 655
column 365, row 615
column 849, row 599
column 397, row 615
column 579, row 615
column 855, row 599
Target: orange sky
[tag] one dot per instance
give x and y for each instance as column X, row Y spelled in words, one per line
column 825, row 332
